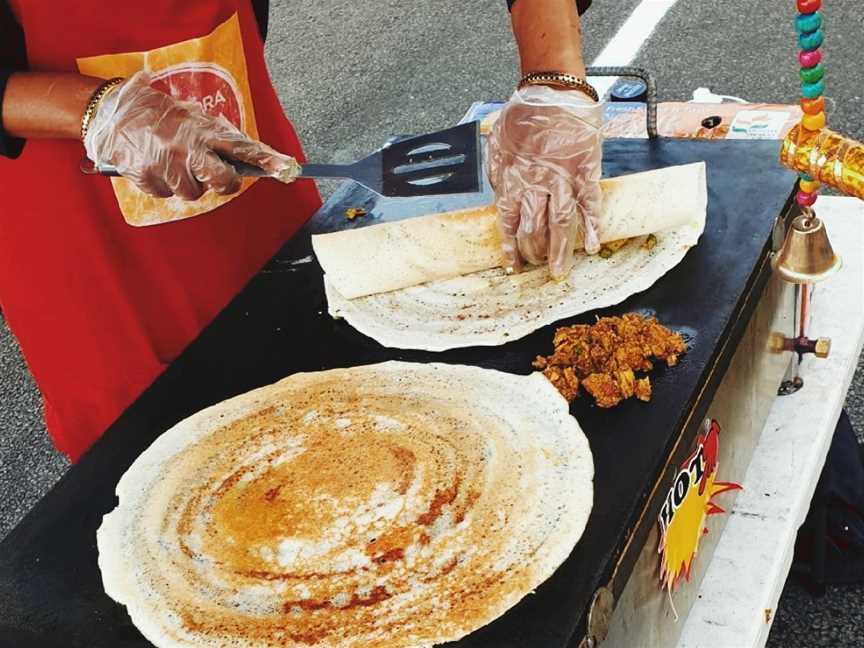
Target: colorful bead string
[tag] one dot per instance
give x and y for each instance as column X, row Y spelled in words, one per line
column 808, row 24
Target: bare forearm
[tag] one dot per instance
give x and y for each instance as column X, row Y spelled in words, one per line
column 549, row 36
column 46, row 104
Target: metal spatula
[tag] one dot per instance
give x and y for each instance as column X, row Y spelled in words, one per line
column 445, row 162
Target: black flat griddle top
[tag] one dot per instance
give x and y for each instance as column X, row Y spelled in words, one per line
column 50, row 587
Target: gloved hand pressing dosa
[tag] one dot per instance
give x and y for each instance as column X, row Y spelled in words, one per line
column 545, row 156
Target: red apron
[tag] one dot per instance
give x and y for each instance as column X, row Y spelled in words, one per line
column 100, row 308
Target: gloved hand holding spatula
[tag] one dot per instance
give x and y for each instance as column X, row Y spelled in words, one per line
column 171, row 147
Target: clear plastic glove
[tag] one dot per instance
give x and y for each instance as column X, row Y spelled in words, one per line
column 169, row 147
column 545, row 155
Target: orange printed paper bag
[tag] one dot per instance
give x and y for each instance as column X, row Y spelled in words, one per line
column 211, row 71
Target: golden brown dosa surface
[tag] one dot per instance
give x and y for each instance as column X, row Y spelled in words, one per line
column 392, row 505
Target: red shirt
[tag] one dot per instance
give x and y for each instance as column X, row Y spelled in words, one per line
column 100, row 308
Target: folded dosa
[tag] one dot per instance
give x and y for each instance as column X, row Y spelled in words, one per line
column 390, row 256
column 394, row 505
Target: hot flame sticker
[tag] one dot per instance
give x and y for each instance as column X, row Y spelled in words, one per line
column 687, row 504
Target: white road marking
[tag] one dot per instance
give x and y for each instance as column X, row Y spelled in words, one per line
column 625, row 44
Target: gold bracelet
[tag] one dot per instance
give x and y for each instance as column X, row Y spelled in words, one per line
column 559, row 80
column 95, row 99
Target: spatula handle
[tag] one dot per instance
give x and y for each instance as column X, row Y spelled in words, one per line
column 327, row 171
column 242, row 168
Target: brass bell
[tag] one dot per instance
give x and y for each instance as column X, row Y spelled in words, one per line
column 806, row 256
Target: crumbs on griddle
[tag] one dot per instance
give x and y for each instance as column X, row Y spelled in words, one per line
column 354, row 212
column 604, row 358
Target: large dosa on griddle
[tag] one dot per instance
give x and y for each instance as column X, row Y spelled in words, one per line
column 389, row 256
column 391, row 505
column 489, row 307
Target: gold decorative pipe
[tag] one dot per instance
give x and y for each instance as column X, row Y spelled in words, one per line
column 827, row 157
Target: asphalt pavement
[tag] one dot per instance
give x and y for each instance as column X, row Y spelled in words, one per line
column 350, row 75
